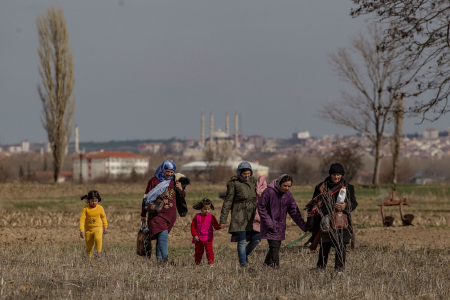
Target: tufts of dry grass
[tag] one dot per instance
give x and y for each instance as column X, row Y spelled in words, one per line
column 65, row 273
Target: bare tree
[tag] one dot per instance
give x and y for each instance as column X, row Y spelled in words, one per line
column 56, row 71
column 422, row 29
column 399, row 114
column 374, row 78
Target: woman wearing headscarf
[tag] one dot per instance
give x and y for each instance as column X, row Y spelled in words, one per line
column 241, row 200
column 160, row 195
column 275, row 203
column 324, row 204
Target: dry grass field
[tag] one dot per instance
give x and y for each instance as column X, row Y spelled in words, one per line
column 42, row 256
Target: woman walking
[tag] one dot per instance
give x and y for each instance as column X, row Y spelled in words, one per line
column 275, row 203
column 325, row 206
column 241, row 200
column 160, row 202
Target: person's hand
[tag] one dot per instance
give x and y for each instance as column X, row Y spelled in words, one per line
column 178, row 184
column 222, row 226
column 82, row 234
column 143, row 219
column 105, row 230
column 338, row 206
column 196, row 238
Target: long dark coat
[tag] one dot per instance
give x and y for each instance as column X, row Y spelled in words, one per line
column 351, row 205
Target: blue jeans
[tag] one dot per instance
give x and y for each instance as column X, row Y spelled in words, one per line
column 244, row 249
column 162, row 246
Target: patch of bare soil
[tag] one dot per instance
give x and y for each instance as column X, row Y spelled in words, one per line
column 410, row 237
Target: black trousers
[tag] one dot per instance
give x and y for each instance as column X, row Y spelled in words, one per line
column 273, row 256
column 339, row 257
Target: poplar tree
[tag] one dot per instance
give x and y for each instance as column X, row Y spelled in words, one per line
column 55, row 91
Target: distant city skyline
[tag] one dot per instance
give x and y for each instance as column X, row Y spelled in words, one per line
column 71, row 142
column 144, row 69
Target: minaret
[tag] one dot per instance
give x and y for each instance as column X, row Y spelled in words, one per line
column 211, row 136
column 203, row 130
column 77, row 141
column 236, row 131
column 227, row 124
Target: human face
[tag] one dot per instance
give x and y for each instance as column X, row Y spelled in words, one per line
column 93, row 202
column 336, row 177
column 168, row 173
column 205, row 209
column 246, row 175
column 285, row 186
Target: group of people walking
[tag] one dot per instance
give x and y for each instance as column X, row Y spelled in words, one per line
column 258, row 211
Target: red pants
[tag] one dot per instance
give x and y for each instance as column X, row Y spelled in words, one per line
column 199, row 248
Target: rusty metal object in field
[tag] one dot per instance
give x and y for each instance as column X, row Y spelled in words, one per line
column 389, row 220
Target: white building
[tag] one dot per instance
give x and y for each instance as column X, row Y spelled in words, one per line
column 301, row 135
column 25, row 146
column 111, row 164
column 201, row 166
column 431, row 133
column 150, row 148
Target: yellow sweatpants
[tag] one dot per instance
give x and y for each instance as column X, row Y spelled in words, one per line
column 94, row 236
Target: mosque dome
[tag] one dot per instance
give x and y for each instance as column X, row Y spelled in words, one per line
column 220, row 134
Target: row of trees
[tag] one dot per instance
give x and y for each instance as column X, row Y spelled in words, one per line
column 404, row 55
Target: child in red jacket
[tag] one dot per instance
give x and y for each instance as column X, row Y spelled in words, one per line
column 202, row 231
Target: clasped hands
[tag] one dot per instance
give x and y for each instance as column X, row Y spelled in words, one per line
column 340, row 206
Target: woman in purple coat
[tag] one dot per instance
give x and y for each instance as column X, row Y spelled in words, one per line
column 275, row 202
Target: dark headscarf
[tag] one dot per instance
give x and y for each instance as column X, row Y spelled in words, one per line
column 336, row 168
column 243, row 166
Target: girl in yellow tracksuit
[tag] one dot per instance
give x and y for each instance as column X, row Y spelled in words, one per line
column 93, row 222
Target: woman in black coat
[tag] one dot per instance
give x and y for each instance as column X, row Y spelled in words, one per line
column 326, row 205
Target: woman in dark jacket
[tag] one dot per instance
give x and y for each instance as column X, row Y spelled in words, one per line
column 241, row 200
column 275, row 203
column 328, row 191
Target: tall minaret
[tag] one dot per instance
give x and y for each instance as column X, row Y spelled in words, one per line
column 211, row 136
column 77, row 141
column 203, row 130
column 227, row 124
column 236, row 131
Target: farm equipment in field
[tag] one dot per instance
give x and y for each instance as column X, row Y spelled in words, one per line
column 389, row 220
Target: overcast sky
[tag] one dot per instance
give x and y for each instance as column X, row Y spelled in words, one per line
column 144, row 69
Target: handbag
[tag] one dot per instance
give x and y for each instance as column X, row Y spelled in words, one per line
column 340, row 220
column 144, row 245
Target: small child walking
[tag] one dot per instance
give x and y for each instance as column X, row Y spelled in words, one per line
column 93, row 222
column 202, row 231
